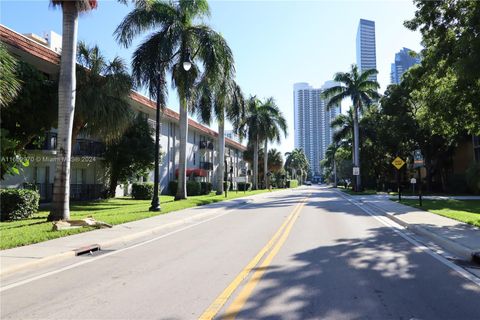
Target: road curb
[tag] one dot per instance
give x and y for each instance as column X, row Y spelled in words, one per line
column 119, row 240
column 459, row 250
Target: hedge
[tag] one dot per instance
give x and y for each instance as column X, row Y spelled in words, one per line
column 142, row 191
column 193, row 188
column 241, row 186
column 292, row 183
column 18, row 204
column 206, row 187
column 172, row 187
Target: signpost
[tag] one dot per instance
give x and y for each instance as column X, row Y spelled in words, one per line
column 413, row 181
column 418, row 163
column 356, row 171
column 398, row 163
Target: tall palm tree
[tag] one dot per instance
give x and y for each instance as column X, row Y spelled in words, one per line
column 177, row 37
column 66, row 104
column 103, row 88
column 275, row 160
column 274, row 125
column 226, row 100
column 343, row 126
column 253, row 128
column 361, row 90
column 10, row 83
column 296, row 162
column 330, row 160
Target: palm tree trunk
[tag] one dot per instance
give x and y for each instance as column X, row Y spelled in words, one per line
column 334, row 173
column 255, row 164
column 66, row 109
column 182, row 169
column 221, row 155
column 265, row 164
column 356, row 148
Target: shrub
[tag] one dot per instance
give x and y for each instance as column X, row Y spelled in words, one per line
column 142, row 191
column 172, row 187
column 292, row 183
column 206, row 187
column 193, row 188
column 242, row 186
column 473, row 177
column 18, row 203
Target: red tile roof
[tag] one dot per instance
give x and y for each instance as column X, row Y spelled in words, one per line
column 38, row 50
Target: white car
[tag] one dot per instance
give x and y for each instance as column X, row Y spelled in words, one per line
column 308, row 183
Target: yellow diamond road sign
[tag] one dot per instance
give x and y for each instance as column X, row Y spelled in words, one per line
column 398, row 163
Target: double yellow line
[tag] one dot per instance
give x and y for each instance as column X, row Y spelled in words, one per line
column 273, row 246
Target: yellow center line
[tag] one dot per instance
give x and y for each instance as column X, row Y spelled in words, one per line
column 237, row 305
column 213, row 309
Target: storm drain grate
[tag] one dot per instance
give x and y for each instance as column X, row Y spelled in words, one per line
column 87, row 250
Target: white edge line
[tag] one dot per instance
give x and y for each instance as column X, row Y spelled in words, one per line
column 72, row 266
column 397, row 229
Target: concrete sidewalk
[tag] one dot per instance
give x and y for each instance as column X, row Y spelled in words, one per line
column 23, row 258
column 454, row 236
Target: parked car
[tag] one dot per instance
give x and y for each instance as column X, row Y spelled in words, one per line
column 308, row 183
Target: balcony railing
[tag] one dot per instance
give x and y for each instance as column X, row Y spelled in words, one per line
column 206, row 145
column 83, row 147
column 77, row 191
column 206, row 165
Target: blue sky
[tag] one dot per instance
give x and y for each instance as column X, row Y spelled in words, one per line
column 275, row 43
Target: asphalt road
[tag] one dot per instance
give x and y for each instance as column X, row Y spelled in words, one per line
column 284, row 256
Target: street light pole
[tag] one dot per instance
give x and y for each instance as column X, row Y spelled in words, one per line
column 155, row 201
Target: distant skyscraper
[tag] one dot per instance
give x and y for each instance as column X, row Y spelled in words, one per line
column 366, row 50
column 312, row 122
column 403, row 61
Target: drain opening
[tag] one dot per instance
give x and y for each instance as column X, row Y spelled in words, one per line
column 87, row 250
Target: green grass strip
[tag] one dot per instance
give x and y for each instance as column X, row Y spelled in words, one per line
column 467, row 211
column 113, row 211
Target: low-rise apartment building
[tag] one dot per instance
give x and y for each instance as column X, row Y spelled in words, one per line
column 88, row 173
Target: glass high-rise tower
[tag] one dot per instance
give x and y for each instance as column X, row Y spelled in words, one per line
column 403, row 61
column 313, row 133
column 366, row 49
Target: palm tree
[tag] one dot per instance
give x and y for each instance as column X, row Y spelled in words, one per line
column 297, row 163
column 178, row 38
column 226, row 99
column 361, row 90
column 10, row 84
column 251, row 128
column 66, row 104
column 274, row 124
column 330, row 157
column 343, row 126
column 275, row 160
column 103, row 88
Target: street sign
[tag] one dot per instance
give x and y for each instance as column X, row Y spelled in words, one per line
column 398, row 163
column 413, row 181
column 356, row 171
column 418, row 161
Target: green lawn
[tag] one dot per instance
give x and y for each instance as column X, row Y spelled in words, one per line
column 462, row 210
column 113, row 211
column 353, row 193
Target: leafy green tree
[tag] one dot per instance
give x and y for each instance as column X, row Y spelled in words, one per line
column 9, row 82
column 131, row 155
column 66, row 104
column 297, row 163
column 103, row 88
column 178, row 37
column 450, row 32
column 275, row 160
column 361, row 90
column 25, row 120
